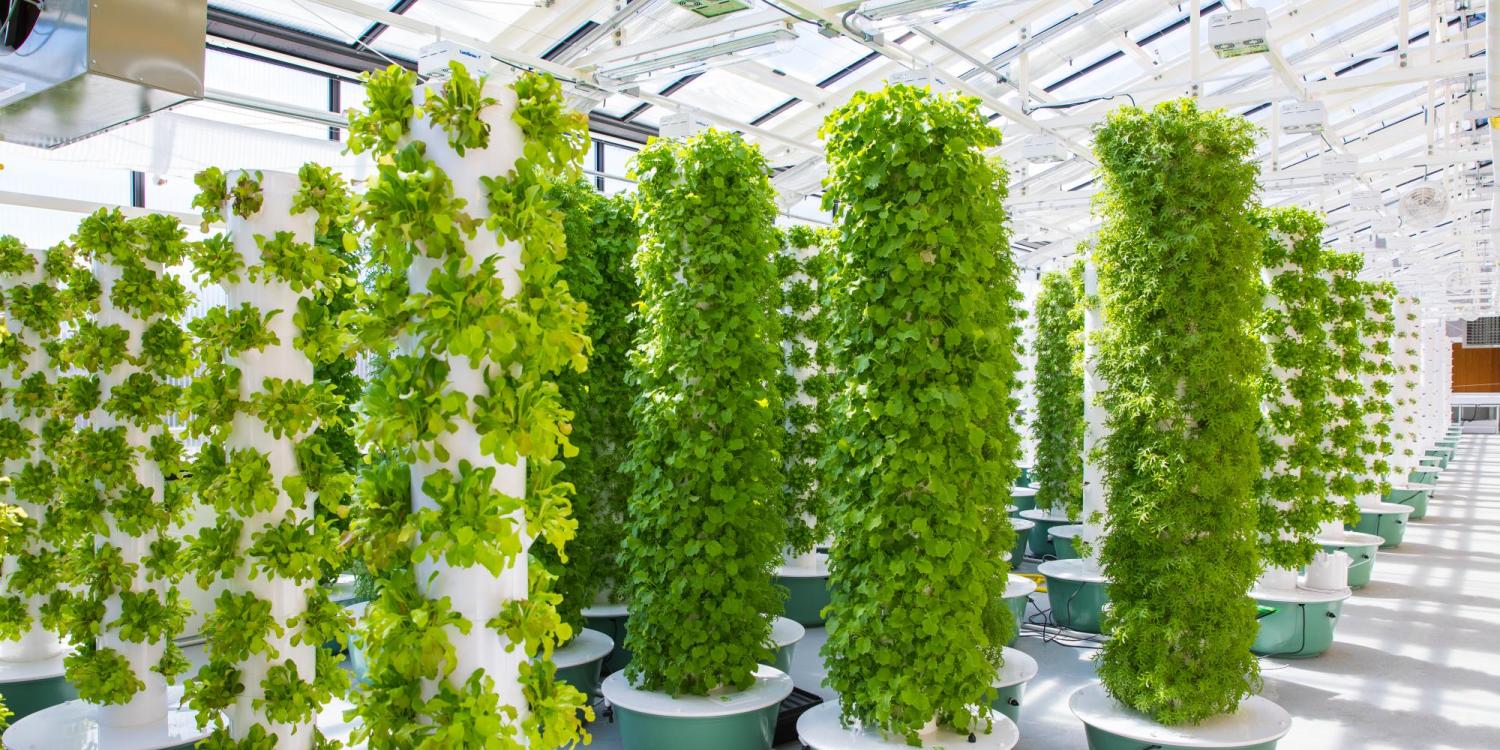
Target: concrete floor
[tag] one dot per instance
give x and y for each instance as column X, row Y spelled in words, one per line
column 1416, row 662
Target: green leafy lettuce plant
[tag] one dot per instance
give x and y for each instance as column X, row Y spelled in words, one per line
column 924, row 338
column 1058, row 427
column 512, row 330
column 704, row 532
column 1350, row 471
column 1179, row 263
column 601, row 235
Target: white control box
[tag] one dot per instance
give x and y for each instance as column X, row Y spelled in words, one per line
column 1239, row 32
column 1339, row 167
column 680, row 125
column 1043, row 148
column 1304, row 117
column 433, row 59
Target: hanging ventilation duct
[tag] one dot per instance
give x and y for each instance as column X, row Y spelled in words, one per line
column 73, row 68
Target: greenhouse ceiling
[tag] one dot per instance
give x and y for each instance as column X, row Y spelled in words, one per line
column 1374, row 111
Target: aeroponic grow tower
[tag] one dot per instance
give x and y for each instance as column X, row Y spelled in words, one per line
column 1406, row 363
column 29, row 652
column 260, row 471
column 806, row 386
column 119, row 462
column 458, row 215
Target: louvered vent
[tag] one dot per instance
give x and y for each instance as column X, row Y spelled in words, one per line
column 1483, row 333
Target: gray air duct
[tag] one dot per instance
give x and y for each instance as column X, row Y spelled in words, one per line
column 73, row 68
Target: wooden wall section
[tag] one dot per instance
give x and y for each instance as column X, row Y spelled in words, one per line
column 1475, row 370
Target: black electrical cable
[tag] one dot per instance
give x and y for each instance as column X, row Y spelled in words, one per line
column 793, row 15
column 1066, row 105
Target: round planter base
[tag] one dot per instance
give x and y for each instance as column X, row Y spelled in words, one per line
column 820, row 729
column 1257, row 725
column 785, row 634
column 1024, row 498
column 581, row 662
column 611, row 620
column 1302, row 625
column 1041, row 534
column 1018, row 591
column 1422, row 477
column 1442, row 456
column 1065, row 541
column 1023, row 533
column 75, row 726
column 1385, row 520
column 807, row 591
column 30, row 686
column 1416, row 496
column 744, row 720
column 1010, row 682
column 1361, row 550
column 1077, row 596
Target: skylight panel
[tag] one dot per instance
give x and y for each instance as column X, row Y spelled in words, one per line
column 728, row 95
column 304, row 16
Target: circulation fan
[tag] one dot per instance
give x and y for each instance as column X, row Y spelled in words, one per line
column 1424, row 205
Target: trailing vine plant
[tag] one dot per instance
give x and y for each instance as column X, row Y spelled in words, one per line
column 704, row 533
column 262, row 467
column 601, row 236
column 924, row 339
column 1179, row 268
column 466, row 419
column 127, row 609
column 1058, row 426
column 806, row 381
column 1295, row 488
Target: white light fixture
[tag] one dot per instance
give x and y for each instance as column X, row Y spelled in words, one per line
column 1304, row 117
column 1043, row 148
column 433, row 59
column 1239, row 32
column 727, row 49
column 1365, row 201
column 885, row 13
column 680, row 125
column 1339, row 167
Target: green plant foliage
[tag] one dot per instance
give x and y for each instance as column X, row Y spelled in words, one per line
column 520, row 332
column 455, row 107
column 1296, row 389
column 601, row 240
column 1179, row 280
column 1378, row 330
column 1348, row 448
column 806, row 382
column 924, row 337
column 1058, row 427
column 703, row 540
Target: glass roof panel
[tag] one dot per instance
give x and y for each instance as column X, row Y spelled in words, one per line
column 305, row 16
column 816, row 57
column 481, row 19
column 402, row 43
column 724, row 93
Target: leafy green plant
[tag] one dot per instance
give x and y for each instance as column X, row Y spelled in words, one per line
column 389, row 111
column 702, row 539
column 455, row 107
column 924, row 333
column 1058, row 428
column 1178, row 278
